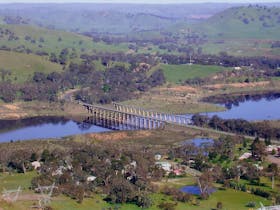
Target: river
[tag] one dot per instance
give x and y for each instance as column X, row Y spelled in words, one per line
column 251, row 110
column 265, row 108
column 45, row 127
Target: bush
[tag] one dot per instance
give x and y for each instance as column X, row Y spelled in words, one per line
column 176, row 194
column 167, row 206
column 251, row 204
column 277, row 200
column 219, row 205
column 260, row 192
column 144, row 201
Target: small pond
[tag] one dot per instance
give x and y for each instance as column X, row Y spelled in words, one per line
column 194, row 190
column 199, row 142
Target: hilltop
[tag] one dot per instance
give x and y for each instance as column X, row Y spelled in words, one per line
column 48, row 40
column 20, row 67
column 252, row 22
column 107, row 18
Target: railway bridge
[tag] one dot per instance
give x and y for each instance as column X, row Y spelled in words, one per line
column 120, row 120
column 123, row 117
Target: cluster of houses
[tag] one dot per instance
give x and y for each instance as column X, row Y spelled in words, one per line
column 270, row 149
column 168, row 166
column 273, row 149
column 174, row 168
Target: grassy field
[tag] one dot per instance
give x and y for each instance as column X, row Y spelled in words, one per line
column 243, row 22
column 54, row 40
column 35, row 108
column 241, row 47
column 15, row 180
column 162, row 105
column 180, row 73
column 231, row 199
column 22, row 66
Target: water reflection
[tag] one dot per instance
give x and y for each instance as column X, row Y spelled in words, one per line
column 45, row 127
column 56, row 127
column 249, row 107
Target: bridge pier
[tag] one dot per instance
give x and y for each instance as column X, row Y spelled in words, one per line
column 126, row 117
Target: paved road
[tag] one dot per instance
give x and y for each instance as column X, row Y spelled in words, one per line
column 273, row 159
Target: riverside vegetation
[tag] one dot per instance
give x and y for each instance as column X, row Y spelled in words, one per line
column 157, row 57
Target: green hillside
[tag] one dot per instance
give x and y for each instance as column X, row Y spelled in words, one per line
column 106, row 18
column 22, row 37
column 252, row 22
column 180, row 73
column 22, row 66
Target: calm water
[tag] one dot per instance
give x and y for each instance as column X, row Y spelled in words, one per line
column 56, row 127
column 194, row 190
column 199, row 142
column 262, row 109
column 38, row 128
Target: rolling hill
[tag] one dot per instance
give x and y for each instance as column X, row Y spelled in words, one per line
column 252, row 22
column 23, row 37
column 22, row 66
column 107, row 18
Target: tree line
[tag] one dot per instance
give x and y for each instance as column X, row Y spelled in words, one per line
column 240, row 126
column 115, row 84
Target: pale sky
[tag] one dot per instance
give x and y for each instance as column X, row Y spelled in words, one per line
column 138, row 1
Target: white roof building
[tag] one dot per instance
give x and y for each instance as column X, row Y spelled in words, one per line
column 164, row 165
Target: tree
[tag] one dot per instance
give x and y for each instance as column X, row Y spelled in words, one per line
column 274, row 171
column 157, row 78
column 250, row 172
column 205, row 183
column 219, row 205
column 143, row 200
column 46, row 156
column 121, row 191
column 20, row 159
column 258, row 149
column 53, row 58
column 4, row 73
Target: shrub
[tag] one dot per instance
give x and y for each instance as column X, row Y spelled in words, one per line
column 219, row 205
column 167, row 206
column 260, row 192
column 176, row 194
column 251, row 204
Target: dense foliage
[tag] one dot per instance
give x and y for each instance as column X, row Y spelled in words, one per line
column 240, row 126
column 115, row 84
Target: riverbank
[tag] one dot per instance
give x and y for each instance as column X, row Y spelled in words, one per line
column 20, row 110
column 176, row 99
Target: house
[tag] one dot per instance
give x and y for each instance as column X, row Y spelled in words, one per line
column 164, row 165
column 157, row 157
column 237, row 68
column 36, row 164
column 91, row 178
column 246, row 155
column 271, row 148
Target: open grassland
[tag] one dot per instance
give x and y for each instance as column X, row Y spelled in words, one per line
column 232, row 200
column 176, row 107
column 14, row 180
column 243, row 22
column 22, row 66
column 174, row 99
column 178, row 99
column 180, row 73
column 35, row 108
column 54, row 40
column 241, row 47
